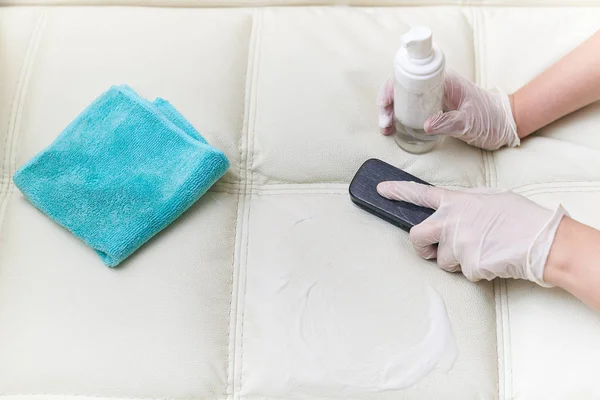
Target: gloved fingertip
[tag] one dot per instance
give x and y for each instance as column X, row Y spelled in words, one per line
column 431, row 255
column 427, row 126
column 431, row 122
column 388, row 130
column 384, row 119
column 393, row 190
column 385, row 97
column 389, row 189
column 383, row 189
column 382, row 100
column 448, row 266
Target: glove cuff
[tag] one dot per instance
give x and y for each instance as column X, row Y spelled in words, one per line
column 512, row 136
column 540, row 248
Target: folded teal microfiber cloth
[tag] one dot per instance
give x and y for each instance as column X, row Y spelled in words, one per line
column 124, row 169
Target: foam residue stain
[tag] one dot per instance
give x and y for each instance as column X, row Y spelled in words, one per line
column 437, row 349
column 372, row 342
column 343, row 323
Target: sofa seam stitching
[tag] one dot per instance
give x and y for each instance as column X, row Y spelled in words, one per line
column 477, row 69
column 284, row 183
column 230, row 351
column 499, row 336
column 12, row 129
column 7, row 161
column 249, row 182
column 21, row 103
column 492, row 183
column 480, row 78
column 504, row 325
column 6, row 169
column 250, row 168
column 344, row 192
column 475, row 44
column 523, row 190
column 508, row 350
column 482, row 81
column 241, row 203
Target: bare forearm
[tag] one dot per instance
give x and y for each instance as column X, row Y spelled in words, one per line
column 574, row 261
column 571, row 83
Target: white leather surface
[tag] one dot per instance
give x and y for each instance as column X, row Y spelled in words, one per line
column 274, row 286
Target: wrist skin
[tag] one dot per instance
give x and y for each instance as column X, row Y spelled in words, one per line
column 557, row 269
column 569, row 84
column 573, row 263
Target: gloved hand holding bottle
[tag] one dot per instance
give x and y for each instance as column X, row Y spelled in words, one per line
column 479, row 117
column 491, row 119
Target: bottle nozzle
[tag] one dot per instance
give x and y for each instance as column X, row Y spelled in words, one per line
column 418, row 42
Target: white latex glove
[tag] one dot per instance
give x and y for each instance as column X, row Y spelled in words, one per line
column 483, row 233
column 480, row 117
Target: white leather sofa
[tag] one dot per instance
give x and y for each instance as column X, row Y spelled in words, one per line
column 274, row 285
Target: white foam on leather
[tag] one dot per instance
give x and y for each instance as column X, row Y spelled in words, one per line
column 288, row 93
column 333, row 295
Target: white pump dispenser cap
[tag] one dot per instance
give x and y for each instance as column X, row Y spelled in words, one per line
column 419, row 63
column 418, row 42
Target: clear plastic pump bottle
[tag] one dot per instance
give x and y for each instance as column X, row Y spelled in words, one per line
column 418, row 89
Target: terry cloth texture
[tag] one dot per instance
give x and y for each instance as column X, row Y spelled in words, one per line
column 123, row 170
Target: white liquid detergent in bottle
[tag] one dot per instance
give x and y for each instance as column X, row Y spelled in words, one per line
column 418, row 89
